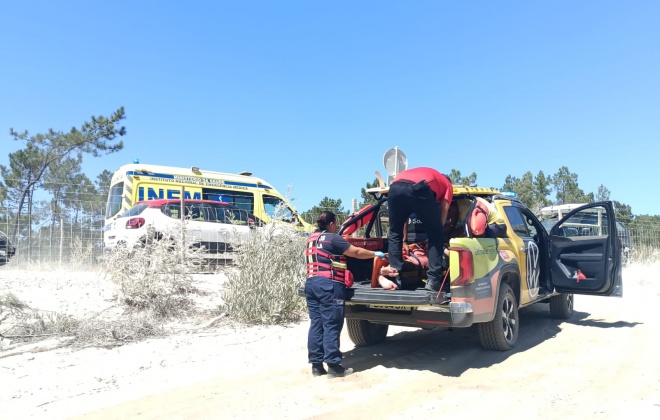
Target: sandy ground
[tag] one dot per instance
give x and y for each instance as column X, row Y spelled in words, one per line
column 603, row 363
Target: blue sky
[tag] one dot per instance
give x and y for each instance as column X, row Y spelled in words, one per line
column 310, row 95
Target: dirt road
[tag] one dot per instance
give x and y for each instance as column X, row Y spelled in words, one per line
column 603, row 363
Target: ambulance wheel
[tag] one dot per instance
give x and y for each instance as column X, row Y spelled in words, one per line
column 561, row 306
column 502, row 332
column 364, row 333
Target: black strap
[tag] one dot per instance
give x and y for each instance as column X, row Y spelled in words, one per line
column 420, row 270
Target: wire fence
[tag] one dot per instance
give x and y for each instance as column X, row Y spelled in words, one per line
column 76, row 240
column 58, row 239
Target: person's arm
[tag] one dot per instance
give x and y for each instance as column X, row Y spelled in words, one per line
column 359, row 253
column 444, row 210
column 405, row 237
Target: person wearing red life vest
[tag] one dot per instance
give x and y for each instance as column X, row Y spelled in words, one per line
column 427, row 193
column 486, row 220
column 325, row 290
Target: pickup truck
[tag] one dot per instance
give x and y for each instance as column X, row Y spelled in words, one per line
column 488, row 279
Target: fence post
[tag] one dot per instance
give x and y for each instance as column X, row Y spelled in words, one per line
column 355, row 209
column 61, row 239
column 183, row 230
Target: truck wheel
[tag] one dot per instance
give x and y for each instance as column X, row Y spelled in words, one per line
column 364, row 333
column 502, row 332
column 561, row 306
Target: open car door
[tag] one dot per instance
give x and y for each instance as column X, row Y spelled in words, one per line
column 585, row 252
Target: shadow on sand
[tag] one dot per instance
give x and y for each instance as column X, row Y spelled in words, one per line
column 450, row 352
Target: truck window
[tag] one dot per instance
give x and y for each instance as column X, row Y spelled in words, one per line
column 172, row 210
column 517, row 222
column 589, row 222
column 242, row 200
column 276, row 208
column 135, row 210
column 239, row 217
column 529, row 222
column 114, row 200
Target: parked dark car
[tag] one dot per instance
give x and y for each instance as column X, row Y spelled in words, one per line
column 7, row 250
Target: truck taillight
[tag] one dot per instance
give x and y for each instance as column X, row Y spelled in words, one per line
column 135, row 223
column 465, row 267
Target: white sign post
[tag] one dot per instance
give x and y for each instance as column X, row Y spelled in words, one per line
column 395, row 161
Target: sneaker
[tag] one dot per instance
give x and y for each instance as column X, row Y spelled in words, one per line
column 318, row 369
column 432, row 294
column 338, row 371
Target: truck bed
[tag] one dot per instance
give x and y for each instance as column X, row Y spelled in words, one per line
column 363, row 293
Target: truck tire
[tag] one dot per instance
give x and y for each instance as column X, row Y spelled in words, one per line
column 364, row 333
column 561, row 306
column 502, row 332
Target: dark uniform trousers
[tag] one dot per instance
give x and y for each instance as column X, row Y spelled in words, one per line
column 325, row 303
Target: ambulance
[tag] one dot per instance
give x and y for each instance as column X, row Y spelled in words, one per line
column 137, row 182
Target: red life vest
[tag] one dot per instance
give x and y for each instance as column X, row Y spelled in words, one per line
column 335, row 271
column 479, row 219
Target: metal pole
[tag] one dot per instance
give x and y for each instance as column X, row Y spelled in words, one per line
column 61, row 238
column 396, row 160
column 183, row 231
column 355, row 209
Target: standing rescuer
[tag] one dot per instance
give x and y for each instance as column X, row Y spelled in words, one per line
column 427, row 193
column 325, row 290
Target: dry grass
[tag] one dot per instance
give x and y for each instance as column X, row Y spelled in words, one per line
column 644, row 255
column 156, row 277
column 155, row 287
column 262, row 286
column 135, row 326
column 27, row 324
column 19, row 324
